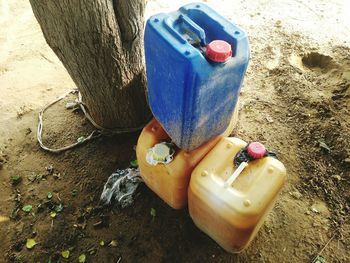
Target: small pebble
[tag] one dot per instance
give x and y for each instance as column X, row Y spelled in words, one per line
column 98, row 224
column 336, row 176
column 269, row 119
column 296, row 194
column 313, row 209
column 113, row 243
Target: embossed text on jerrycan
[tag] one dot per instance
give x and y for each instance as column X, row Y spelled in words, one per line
column 170, row 181
column 232, row 211
column 195, row 63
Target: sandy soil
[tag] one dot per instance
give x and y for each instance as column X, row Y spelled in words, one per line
column 295, row 99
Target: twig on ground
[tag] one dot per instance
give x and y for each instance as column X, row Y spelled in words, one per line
column 324, row 247
column 58, row 197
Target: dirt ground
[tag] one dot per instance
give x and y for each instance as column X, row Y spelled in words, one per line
column 295, row 99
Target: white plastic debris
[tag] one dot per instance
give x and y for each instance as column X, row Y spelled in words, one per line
column 161, row 153
column 121, row 187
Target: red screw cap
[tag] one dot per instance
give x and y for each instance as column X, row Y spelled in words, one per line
column 256, row 150
column 218, row 51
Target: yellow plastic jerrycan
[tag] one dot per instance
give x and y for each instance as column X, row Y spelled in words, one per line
column 228, row 203
column 170, row 180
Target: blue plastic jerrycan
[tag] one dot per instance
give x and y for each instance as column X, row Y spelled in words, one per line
column 195, row 63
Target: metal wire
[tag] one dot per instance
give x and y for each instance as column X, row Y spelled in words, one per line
column 99, row 131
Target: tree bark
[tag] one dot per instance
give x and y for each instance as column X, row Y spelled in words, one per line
column 100, row 42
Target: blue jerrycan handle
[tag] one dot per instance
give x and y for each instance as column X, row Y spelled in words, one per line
column 194, row 27
column 168, row 22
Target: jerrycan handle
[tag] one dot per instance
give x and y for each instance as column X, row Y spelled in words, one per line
column 235, row 174
column 197, row 30
column 194, row 28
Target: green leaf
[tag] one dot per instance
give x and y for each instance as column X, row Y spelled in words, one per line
column 319, row 259
column 65, row 254
column 15, row 179
column 33, row 177
column 153, row 212
column 27, row 208
column 30, row 243
column 18, row 258
column 134, row 163
column 58, row 208
column 81, row 139
column 102, row 243
column 74, row 192
column 49, row 195
column 82, row 258
column 53, row 214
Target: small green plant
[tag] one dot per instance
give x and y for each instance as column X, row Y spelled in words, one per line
column 82, row 258
column 18, row 258
column 58, row 208
column 81, row 139
column 65, row 253
column 49, row 195
column 319, row 259
column 74, row 192
column 30, row 243
column 27, row 208
column 153, row 213
column 15, row 179
column 53, row 214
column 134, row 163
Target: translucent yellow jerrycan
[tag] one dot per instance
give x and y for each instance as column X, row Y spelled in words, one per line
column 167, row 170
column 228, row 201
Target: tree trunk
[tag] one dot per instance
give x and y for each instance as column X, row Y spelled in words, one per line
column 100, row 42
